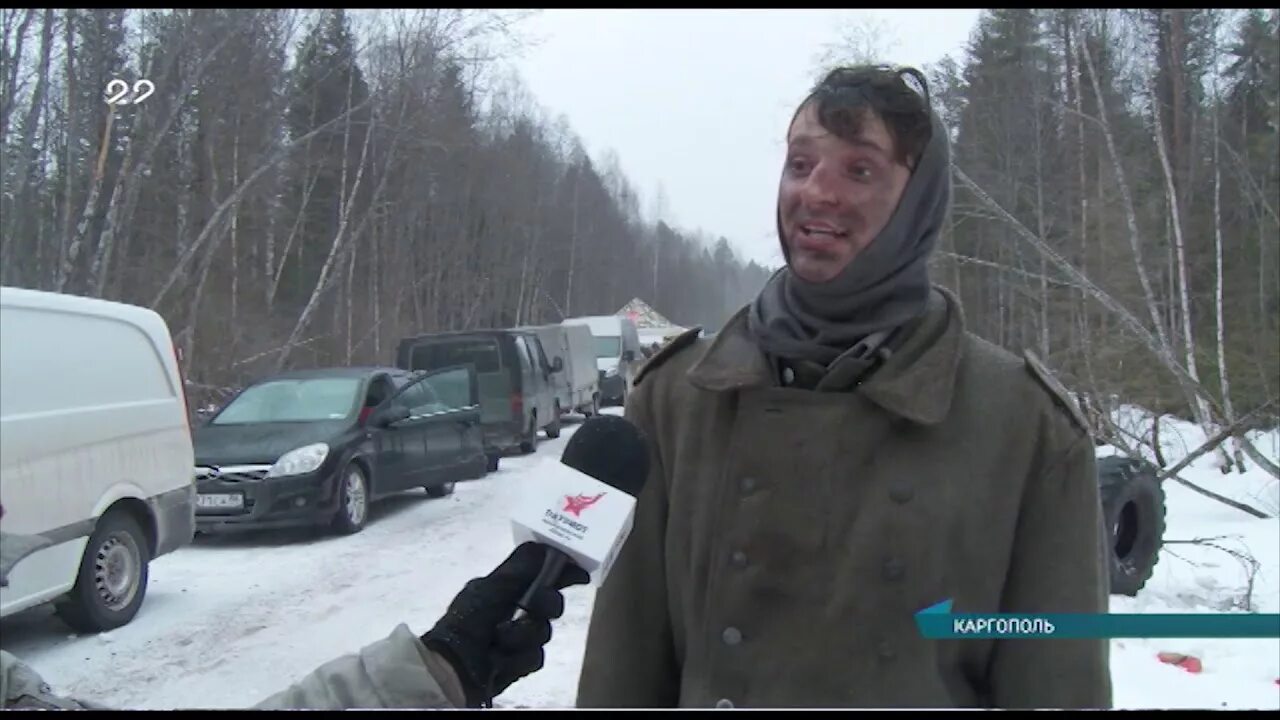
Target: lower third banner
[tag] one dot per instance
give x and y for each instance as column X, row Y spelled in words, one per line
column 939, row 622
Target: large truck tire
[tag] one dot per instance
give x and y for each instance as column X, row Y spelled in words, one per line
column 1133, row 507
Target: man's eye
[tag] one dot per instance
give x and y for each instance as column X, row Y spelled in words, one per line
column 797, row 164
column 861, row 172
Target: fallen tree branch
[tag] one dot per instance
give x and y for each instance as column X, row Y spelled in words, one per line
column 1213, row 442
column 1242, row 507
column 1198, row 541
column 1245, row 557
column 272, row 351
column 1208, row 446
column 1258, row 457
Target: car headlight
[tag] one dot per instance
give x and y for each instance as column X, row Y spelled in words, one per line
column 297, row 462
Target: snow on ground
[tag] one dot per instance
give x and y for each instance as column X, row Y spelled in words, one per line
column 1237, row 673
column 230, row 620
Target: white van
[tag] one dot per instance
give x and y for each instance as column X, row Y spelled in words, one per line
column 95, row 453
column 618, row 356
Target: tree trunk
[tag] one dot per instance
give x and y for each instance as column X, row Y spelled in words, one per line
column 1074, row 72
column 1224, row 383
column 28, row 152
column 193, row 311
column 1130, row 216
column 351, row 272
column 235, row 226
column 573, row 244
column 64, row 240
column 12, row 64
column 374, row 294
column 1199, row 407
column 1044, row 284
column 68, row 263
column 1177, row 76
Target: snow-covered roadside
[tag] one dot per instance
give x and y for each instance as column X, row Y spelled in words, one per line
column 229, row 620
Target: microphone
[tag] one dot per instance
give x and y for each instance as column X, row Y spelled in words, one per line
column 582, row 507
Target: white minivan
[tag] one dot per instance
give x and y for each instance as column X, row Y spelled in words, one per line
column 95, row 453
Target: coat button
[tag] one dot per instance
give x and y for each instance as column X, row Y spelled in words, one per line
column 731, row 636
column 886, row 651
column 738, row 558
column 893, row 570
column 748, row 484
column 901, row 493
column 724, row 703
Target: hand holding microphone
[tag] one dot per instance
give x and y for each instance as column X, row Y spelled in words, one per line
column 570, row 527
column 477, row 636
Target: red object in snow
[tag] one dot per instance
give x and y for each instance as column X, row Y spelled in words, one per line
column 1189, row 663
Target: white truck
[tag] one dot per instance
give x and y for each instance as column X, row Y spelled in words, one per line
column 578, row 384
column 617, row 351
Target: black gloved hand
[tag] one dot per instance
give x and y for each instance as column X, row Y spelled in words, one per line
column 486, row 648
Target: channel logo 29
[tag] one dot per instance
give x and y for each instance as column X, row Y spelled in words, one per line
column 118, row 92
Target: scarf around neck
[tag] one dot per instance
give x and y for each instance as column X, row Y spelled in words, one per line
column 885, row 285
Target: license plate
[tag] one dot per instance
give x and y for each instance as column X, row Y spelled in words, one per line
column 220, row 501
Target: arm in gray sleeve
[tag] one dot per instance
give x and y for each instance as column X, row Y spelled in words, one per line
column 24, row 689
column 395, row 672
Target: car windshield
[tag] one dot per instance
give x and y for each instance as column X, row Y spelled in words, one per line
column 607, row 347
column 308, row 400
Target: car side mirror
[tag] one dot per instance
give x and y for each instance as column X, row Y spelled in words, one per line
column 388, row 415
column 557, row 365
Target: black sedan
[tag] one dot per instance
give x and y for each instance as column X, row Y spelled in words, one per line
column 316, row 447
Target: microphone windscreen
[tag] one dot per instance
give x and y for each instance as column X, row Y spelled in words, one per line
column 610, row 449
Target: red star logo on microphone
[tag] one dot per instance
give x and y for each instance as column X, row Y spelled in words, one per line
column 577, row 503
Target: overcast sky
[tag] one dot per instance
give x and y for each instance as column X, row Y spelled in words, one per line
column 697, row 101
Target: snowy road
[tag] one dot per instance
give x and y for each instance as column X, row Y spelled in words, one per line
column 230, row 620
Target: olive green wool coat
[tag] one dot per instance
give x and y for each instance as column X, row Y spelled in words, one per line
column 786, row 537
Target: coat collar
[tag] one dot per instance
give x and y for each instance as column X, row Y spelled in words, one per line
column 916, row 383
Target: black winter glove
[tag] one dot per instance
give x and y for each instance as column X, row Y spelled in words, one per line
column 486, row 648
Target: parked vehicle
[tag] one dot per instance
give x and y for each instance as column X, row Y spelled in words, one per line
column 578, row 384
column 317, row 447
column 618, row 356
column 95, row 453
column 517, row 390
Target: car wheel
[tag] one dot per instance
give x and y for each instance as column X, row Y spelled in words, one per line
column 353, row 501
column 112, row 581
column 492, row 465
column 553, row 430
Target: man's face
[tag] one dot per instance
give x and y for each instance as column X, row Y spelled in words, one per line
column 836, row 195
